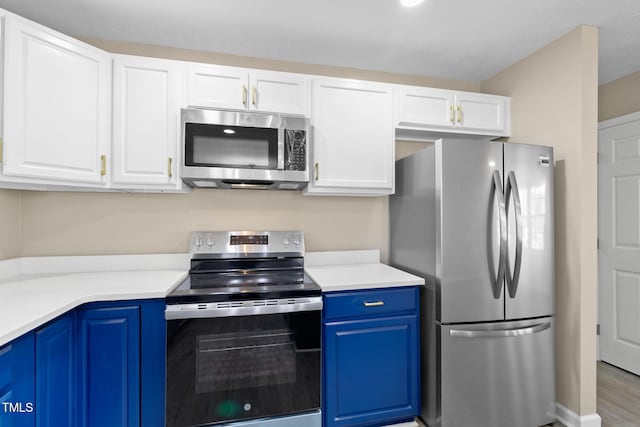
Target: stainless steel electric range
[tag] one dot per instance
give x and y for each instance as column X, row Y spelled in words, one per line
column 243, row 334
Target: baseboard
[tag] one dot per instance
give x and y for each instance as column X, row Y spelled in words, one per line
column 571, row 419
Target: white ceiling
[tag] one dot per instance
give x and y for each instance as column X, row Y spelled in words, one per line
column 459, row 39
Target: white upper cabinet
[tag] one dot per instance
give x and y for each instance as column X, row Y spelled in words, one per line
column 56, row 106
column 233, row 88
column 352, row 138
column 417, row 107
column 279, row 92
column 438, row 110
column 211, row 86
column 146, row 113
column 479, row 112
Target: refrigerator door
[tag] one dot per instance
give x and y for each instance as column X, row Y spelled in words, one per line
column 528, row 176
column 498, row 374
column 469, row 231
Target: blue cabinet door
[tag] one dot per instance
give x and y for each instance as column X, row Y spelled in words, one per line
column 109, row 366
column 153, row 332
column 17, row 382
column 371, row 371
column 54, row 372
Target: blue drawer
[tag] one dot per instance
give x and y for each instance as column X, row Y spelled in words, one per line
column 374, row 302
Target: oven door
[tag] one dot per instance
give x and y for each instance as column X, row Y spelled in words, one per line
column 242, row 360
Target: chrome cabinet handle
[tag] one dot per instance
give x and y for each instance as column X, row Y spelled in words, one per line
column 103, row 165
column 169, row 168
column 317, row 170
column 502, row 214
column 254, row 95
column 244, row 95
column 452, row 114
column 513, row 279
column 500, row 333
column 459, row 113
column 373, row 304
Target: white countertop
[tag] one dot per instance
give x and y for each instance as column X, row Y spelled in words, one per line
column 36, row 290
column 35, row 293
column 355, row 270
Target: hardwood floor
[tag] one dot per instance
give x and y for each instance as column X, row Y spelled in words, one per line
column 618, row 397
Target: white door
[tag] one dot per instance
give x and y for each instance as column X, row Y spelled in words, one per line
column 275, row 92
column 56, row 105
column 619, row 240
column 480, row 112
column 353, row 137
column 213, row 86
column 145, row 122
column 424, row 107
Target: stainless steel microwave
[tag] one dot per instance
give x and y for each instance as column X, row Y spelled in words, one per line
column 237, row 149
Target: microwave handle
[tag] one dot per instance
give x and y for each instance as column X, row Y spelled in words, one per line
column 280, row 149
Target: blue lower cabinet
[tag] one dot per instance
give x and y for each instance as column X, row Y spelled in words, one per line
column 371, row 364
column 121, row 351
column 86, row 369
column 17, row 382
column 109, row 366
column 153, row 353
column 54, row 372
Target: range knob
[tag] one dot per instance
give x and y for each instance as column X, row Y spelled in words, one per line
column 286, row 241
column 199, row 242
column 296, row 240
column 211, row 242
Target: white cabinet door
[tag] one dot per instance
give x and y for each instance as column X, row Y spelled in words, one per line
column 218, row 87
column 56, row 105
column 145, row 122
column 275, row 92
column 475, row 111
column 438, row 110
column 352, row 137
column 424, row 107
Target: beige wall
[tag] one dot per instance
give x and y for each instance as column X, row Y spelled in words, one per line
column 619, row 97
column 129, row 48
column 127, row 223
column 554, row 102
column 98, row 223
column 9, row 224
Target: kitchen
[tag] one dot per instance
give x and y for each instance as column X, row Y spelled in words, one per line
column 131, row 223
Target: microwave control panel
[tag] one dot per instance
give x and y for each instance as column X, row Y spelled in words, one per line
column 295, row 150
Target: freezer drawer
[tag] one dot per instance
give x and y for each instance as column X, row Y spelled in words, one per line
column 498, row 374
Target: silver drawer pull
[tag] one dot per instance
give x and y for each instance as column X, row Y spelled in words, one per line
column 373, row 304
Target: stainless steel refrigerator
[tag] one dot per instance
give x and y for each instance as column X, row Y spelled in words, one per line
column 475, row 219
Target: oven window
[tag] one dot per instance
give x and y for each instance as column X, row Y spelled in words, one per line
column 231, row 146
column 233, row 368
column 245, row 360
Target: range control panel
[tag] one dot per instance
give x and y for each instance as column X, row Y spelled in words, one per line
column 233, row 243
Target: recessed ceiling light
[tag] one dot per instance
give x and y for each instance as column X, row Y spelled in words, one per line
column 229, row 131
column 410, row 3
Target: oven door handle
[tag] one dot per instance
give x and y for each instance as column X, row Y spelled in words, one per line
column 241, row 308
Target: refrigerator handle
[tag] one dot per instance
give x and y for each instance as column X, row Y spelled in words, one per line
column 513, row 279
column 502, row 214
column 500, row 333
